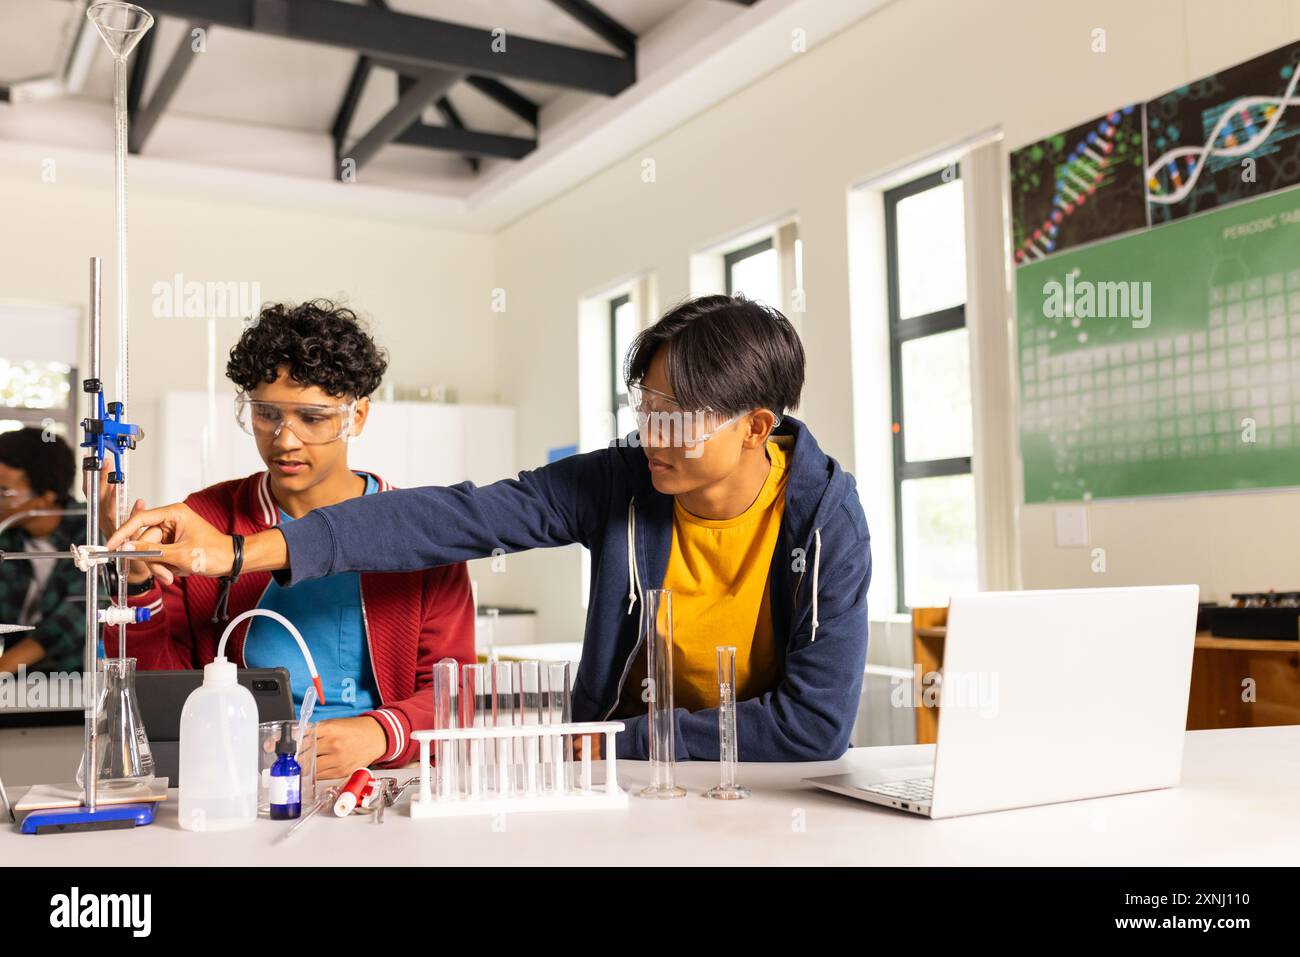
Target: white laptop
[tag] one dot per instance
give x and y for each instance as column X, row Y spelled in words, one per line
column 1050, row 696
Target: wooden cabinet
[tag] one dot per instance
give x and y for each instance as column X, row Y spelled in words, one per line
column 1236, row 682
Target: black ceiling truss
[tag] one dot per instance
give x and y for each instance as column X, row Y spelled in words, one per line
column 430, row 56
column 600, row 23
column 143, row 115
column 452, row 118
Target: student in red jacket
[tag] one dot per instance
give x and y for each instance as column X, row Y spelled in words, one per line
column 306, row 373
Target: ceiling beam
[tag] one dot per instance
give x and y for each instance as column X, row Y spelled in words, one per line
column 420, row 42
column 600, row 23
column 348, row 108
column 514, row 101
column 148, row 114
column 427, row 88
column 468, row 142
column 508, row 97
column 452, row 119
column 139, row 72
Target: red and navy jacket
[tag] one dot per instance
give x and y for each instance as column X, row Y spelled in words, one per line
column 411, row 619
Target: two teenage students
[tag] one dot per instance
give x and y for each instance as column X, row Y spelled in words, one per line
column 733, row 506
column 306, row 373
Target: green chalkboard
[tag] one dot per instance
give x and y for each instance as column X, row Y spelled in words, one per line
column 1166, row 361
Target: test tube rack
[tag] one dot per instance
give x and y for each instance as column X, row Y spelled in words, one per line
column 538, row 776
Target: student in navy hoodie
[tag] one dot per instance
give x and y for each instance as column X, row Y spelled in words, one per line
column 719, row 496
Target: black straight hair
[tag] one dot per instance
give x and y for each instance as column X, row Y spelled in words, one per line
column 725, row 353
column 47, row 461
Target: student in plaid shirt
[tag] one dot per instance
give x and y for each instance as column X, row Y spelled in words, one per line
column 36, row 473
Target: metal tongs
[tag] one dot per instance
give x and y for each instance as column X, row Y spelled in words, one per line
column 390, row 792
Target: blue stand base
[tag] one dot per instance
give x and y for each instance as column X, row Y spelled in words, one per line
column 67, row 820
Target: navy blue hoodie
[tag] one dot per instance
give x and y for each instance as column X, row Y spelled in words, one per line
column 821, row 567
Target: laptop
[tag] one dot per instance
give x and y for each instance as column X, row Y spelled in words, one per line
column 162, row 695
column 1050, row 696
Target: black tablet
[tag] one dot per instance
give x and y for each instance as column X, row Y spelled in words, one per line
column 162, row 695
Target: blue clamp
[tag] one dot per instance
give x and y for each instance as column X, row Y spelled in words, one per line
column 108, row 435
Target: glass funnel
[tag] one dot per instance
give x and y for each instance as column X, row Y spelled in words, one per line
column 121, row 25
column 122, row 749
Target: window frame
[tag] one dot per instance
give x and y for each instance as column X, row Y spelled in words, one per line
column 617, row 401
column 739, row 255
column 907, row 330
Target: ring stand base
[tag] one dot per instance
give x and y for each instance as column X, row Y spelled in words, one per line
column 67, row 820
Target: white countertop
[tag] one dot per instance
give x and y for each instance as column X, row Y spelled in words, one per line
column 1236, row 805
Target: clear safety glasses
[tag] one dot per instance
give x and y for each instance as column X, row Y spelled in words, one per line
column 663, row 423
column 312, row 424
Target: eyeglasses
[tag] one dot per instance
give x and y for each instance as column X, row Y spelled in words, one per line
column 663, row 423
column 312, row 424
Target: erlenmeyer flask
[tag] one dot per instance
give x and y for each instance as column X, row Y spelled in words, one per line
column 123, row 755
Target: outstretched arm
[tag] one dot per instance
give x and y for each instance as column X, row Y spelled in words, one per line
column 403, row 530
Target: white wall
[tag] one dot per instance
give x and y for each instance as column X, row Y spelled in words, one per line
column 905, row 83
column 426, row 292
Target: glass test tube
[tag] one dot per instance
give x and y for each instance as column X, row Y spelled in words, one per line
column 657, row 636
column 475, row 712
column 445, row 683
column 503, row 716
column 558, row 751
column 728, row 745
column 528, row 686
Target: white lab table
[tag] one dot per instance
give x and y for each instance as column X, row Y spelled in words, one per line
column 1236, row 806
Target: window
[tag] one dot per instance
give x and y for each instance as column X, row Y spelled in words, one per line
column 753, row 271
column 622, row 330
column 934, row 490
column 38, row 377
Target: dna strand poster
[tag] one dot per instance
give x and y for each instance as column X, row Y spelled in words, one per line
column 1157, row 255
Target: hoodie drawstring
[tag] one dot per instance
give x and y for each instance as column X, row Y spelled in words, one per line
column 817, row 561
column 632, row 578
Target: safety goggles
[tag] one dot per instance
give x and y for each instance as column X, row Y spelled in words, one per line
column 12, row 498
column 663, row 423
column 312, row 424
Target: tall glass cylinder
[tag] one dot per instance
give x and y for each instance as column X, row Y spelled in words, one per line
column 657, row 637
column 728, row 746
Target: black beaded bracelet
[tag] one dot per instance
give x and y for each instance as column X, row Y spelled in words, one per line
column 136, row 589
column 222, row 611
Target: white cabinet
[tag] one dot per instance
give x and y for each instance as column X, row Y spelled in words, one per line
column 408, row 443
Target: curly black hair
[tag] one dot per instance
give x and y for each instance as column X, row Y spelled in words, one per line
column 46, row 460
column 322, row 343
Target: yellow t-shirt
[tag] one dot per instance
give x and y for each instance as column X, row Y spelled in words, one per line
column 718, row 574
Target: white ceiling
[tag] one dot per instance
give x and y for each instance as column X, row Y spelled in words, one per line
column 263, row 105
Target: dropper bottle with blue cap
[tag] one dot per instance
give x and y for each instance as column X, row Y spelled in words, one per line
column 286, row 778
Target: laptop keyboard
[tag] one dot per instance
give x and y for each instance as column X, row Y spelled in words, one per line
column 918, row 790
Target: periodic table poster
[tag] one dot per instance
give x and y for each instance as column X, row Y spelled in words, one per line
column 1158, row 292
column 1193, row 385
